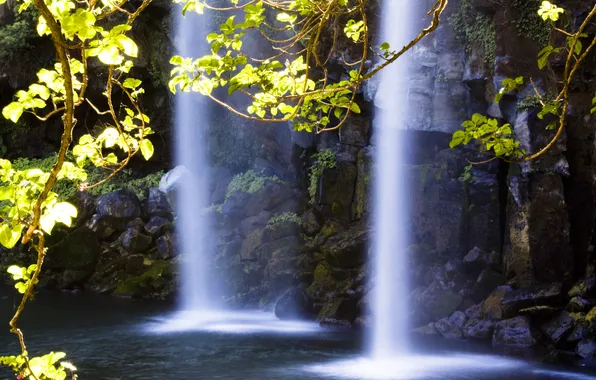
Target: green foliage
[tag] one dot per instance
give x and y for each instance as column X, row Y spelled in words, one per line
column 248, row 182
column 495, row 139
column 46, row 367
column 282, row 218
column 475, row 29
column 508, row 86
column 549, row 11
column 22, row 276
column 529, row 102
column 323, row 160
column 529, row 24
column 467, row 175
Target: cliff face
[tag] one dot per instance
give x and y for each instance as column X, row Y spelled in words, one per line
column 498, row 250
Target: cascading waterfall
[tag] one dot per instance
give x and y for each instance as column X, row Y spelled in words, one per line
column 191, row 117
column 391, row 214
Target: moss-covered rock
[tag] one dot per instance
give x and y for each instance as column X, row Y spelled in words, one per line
column 79, row 250
column 157, row 281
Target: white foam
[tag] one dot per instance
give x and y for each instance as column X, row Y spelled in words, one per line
column 229, row 322
column 412, row 367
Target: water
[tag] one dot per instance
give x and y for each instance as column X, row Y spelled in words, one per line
column 113, row 339
column 191, row 116
column 391, row 214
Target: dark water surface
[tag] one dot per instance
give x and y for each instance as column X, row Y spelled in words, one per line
column 109, row 338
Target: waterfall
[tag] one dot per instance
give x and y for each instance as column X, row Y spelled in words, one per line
column 391, row 214
column 191, row 118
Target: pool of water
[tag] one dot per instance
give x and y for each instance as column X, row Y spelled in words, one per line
column 109, row 338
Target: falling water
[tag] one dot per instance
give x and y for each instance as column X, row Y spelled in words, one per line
column 391, row 215
column 191, row 116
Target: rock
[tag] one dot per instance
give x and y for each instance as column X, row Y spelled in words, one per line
column 157, row 204
column 311, row 222
column 478, row 329
column 447, row 329
column 586, row 349
column 539, row 295
column 157, row 226
column 474, row 312
column 85, row 204
column 293, row 304
column 336, row 190
column 267, row 198
column 79, row 250
column 101, row 226
column 514, row 332
column 136, row 224
column 438, row 302
column 557, row 327
column 577, row 304
column 335, row 323
column 347, row 249
column 591, row 319
column 234, row 206
column 280, row 230
column 579, row 332
column 458, row 319
column 428, row 330
column 339, row 309
column 166, row 246
column 486, row 282
column 121, row 204
column 255, row 222
column 355, row 131
column 134, row 241
column 219, row 179
column 491, row 307
column 171, row 182
column 476, row 260
column 267, row 168
column 585, row 288
column 156, row 281
column 363, row 203
column 250, row 244
column 539, row 311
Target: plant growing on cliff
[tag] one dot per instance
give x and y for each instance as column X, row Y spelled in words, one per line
column 498, row 141
column 29, row 208
column 248, row 182
column 323, row 160
column 292, row 83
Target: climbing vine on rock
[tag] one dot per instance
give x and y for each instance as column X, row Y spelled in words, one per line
column 498, row 141
column 293, row 83
column 83, row 33
column 323, row 160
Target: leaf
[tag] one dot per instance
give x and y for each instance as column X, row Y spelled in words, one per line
column 64, row 212
column 147, row 149
column 129, row 47
column 385, row 46
column 13, row 111
column 355, row 108
column 16, row 272
column 457, row 138
column 110, row 55
column 9, row 235
column 131, row 83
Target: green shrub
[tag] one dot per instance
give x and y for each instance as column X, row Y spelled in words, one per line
column 323, row 160
column 283, row 217
column 248, row 182
column 474, row 28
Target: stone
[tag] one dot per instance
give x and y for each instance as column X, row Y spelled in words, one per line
column 355, row 131
column 477, row 260
column 458, row 319
column 166, row 246
column 134, row 241
column 281, row 230
column 363, row 204
column 171, row 181
column 335, row 323
column 267, row 198
column 478, row 329
column 250, row 244
column 438, row 302
column 157, row 204
column 293, row 304
column 157, row 226
column 79, row 250
column 233, row 207
column 514, row 332
column 585, row 288
column 557, row 327
column 136, row 224
column 427, row 330
column 577, row 304
column 447, row 329
column 487, row 281
column 254, row 222
column 336, row 190
column 343, row 309
column 491, row 307
column 347, row 249
column 518, row 299
column 586, row 349
column 267, row 168
column 474, row 312
column 121, row 204
column 311, row 222
column 85, row 204
column 101, row 226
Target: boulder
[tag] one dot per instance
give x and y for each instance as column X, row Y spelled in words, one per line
column 254, row 222
column 311, row 222
column 477, row 260
column 458, row 319
column 79, row 250
column 343, row 309
column 355, row 131
column 437, row 302
column 447, row 329
column 157, row 204
column 234, row 206
column 578, row 304
column 267, row 198
column 514, row 332
column 293, row 304
column 491, row 307
column 487, row 281
column 585, row 288
column 347, row 249
column 166, row 246
column 539, row 295
column 134, row 241
column 157, row 226
column 557, row 327
column 478, row 329
column 586, row 349
column 121, row 204
column 171, row 182
column 101, row 226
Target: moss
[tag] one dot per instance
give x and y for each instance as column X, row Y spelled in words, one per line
column 337, row 208
column 475, row 29
column 528, row 22
column 329, row 229
column 325, row 159
column 283, row 218
column 248, row 182
column 156, row 279
column 529, row 102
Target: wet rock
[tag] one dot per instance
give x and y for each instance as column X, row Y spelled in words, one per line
column 157, row 204
column 134, row 241
column 476, row 260
column 250, row 243
column 234, row 206
column 157, row 226
column 79, row 250
column 136, row 224
column 335, row 323
column 343, row 309
column 524, row 298
column 121, row 204
column 514, row 332
column 166, row 246
column 171, row 181
column 347, row 249
column 101, row 226
column 540, row 311
column 474, row 312
column 293, row 304
column 586, row 349
column 458, row 319
column 219, row 179
column 355, row 131
column 311, row 222
column 491, row 307
column 487, row 281
column 478, row 329
column 280, row 230
column 337, row 187
column 578, row 333
column 438, row 302
column 585, row 288
column 447, row 329
column 577, row 304
column 428, row 330
column 557, row 327
column 254, row 222
column 271, row 195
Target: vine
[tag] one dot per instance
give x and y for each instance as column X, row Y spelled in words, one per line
column 323, row 160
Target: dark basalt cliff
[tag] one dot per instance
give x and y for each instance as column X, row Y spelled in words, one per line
column 500, row 252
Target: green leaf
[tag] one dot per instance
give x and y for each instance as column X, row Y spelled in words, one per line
column 128, row 46
column 457, row 138
column 110, row 55
column 9, row 235
column 13, row 111
column 131, row 83
column 355, row 108
column 147, row 149
column 385, row 46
